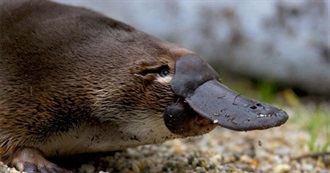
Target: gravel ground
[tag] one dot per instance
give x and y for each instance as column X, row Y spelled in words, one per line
column 279, row 150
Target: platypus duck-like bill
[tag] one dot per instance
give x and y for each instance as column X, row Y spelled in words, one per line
column 200, row 89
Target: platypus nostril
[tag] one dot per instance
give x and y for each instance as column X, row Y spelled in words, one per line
column 253, row 107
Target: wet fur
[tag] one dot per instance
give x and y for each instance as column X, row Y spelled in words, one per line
column 74, row 76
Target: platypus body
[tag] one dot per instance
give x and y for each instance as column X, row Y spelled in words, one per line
column 74, row 81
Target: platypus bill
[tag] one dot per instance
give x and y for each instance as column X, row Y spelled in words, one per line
column 74, row 81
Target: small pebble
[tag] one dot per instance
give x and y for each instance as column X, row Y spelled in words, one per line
column 283, row 168
column 283, row 151
column 307, row 167
column 135, row 167
column 245, row 159
column 87, row 168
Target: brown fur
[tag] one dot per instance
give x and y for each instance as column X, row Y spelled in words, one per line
column 63, row 68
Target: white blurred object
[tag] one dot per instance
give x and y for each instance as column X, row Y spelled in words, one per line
column 283, row 41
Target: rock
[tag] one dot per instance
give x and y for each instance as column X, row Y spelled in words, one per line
column 281, row 41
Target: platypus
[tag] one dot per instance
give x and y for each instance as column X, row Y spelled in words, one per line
column 75, row 81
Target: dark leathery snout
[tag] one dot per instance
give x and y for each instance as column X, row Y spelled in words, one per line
column 234, row 111
column 176, row 116
column 199, row 86
column 191, row 72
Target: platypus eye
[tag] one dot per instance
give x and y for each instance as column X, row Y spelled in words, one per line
column 162, row 71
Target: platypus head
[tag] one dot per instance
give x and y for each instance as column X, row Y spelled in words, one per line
column 169, row 92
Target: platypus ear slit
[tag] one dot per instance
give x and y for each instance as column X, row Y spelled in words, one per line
column 162, row 70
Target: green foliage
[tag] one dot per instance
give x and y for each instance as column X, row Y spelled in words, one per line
column 267, row 90
column 316, row 121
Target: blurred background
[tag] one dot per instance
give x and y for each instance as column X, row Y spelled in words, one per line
column 277, row 43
